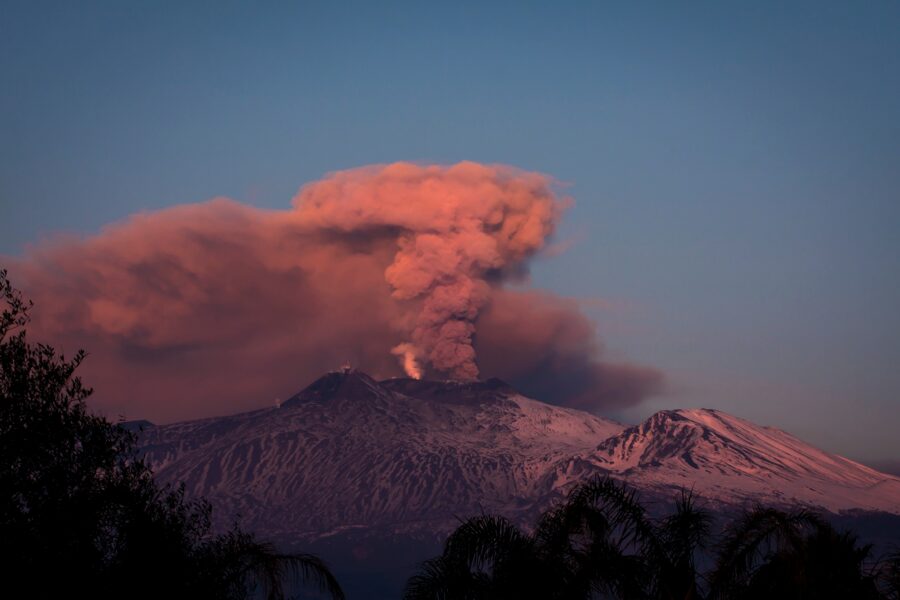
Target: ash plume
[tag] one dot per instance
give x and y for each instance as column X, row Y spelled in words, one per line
column 454, row 226
column 396, row 267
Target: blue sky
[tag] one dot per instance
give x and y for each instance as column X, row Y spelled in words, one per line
column 735, row 166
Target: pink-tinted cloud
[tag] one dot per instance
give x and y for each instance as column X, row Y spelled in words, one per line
column 217, row 306
column 454, row 226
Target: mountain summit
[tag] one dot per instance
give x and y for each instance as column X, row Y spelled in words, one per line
column 345, row 384
column 405, row 456
column 730, row 459
column 348, row 383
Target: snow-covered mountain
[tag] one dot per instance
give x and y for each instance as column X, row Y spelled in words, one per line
column 732, row 461
column 351, row 453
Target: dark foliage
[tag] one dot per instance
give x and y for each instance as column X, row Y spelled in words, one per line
column 80, row 514
column 889, row 576
column 600, row 543
column 771, row 554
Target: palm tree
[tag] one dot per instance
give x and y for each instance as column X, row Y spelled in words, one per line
column 598, row 543
column 485, row 557
column 889, row 576
column 238, row 563
column 680, row 537
column 768, row 553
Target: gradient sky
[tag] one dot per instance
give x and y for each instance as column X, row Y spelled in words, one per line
column 735, row 166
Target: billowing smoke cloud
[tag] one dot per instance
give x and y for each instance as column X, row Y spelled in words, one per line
column 550, row 349
column 454, row 227
column 215, row 307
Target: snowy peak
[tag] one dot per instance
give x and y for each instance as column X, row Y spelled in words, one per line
column 735, row 458
column 665, row 435
column 691, row 437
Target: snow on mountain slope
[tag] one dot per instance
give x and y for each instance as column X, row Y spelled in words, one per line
column 351, row 452
column 732, row 460
column 412, row 456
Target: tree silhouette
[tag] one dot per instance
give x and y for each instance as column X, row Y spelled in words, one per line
column 486, row 557
column 769, row 553
column 80, row 513
column 598, row 543
column 597, row 540
column 680, row 538
column 889, row 576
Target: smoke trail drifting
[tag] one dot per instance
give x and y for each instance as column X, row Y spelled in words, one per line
column 218, row 306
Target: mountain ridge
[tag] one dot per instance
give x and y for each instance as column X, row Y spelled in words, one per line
column 707, row 444
column 409, row 456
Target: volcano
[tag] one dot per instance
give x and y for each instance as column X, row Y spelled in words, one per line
column 410, row 456
column 372, row 475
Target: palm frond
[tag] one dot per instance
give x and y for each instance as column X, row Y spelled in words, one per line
column 756, row 533
column 260, row 564
column 484, row 541
column 443, row 579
